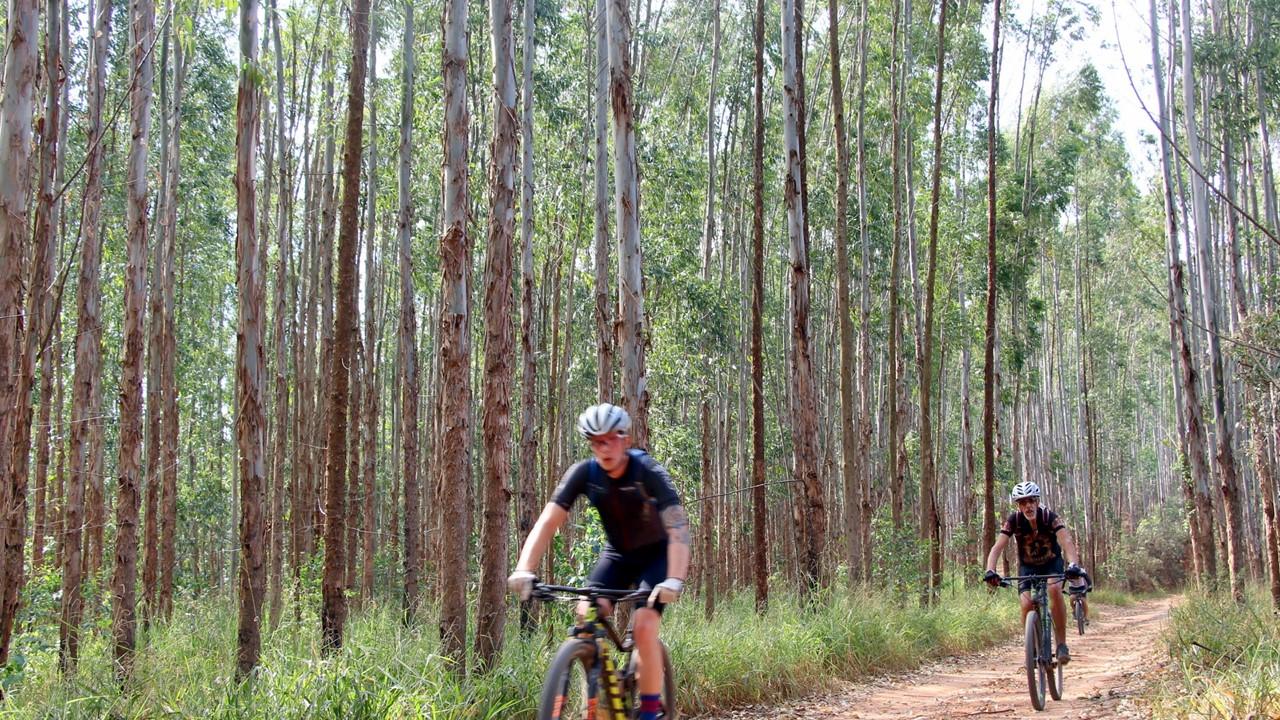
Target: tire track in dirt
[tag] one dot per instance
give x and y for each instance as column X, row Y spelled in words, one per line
column 1106, row 674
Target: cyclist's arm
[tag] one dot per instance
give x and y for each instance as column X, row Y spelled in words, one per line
column 676, row 522
column 1068, row 545
column 553, row 516
column 996, row 550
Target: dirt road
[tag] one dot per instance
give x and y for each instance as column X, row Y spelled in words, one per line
column 1105, row 674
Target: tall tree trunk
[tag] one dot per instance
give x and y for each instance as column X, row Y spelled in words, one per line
column 284, row 212
column 848, row 434
column 864, row 310
column 333, row 613
column 1208, row 295
column 34, row 342
column 989, row 352
column 154, row 359
column 759, row 511
column 250, row 359
column 57, row 117
column 895, row 479
column 124, row 577
column 930, row 521
column 86, row 378
column 709, row 224
column 604, row 309
column 371, row 332
column 15, row 182
column 455, row 342
column 812, row 515
column 528, row 327
column 633, row 337
column 408, row 333
column 499, row 353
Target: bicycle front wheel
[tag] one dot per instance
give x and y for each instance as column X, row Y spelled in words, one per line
column 566, row 694
column 1077, row 609
column 1035, row 671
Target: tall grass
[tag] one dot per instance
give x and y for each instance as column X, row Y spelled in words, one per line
column 1225, row 659
column 186, row 667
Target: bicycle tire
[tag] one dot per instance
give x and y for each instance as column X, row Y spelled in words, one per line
column 670, row 709
column 564, row 692
column 1035, row 673
column 1077, row 609
column 1049, row 659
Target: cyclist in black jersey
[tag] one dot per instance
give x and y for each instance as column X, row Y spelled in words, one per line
column 645, row 525
column 1043, row 542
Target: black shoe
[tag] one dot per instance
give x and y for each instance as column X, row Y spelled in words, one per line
column 1064, row 655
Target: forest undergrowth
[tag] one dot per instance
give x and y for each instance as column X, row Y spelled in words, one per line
column 1225, row 659
column 184, row 668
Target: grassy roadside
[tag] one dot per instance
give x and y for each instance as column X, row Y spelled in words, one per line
column 1225, row 659
column 386, row 671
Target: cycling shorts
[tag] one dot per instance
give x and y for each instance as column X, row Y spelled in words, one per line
column 1052, row 567
column 643, row 568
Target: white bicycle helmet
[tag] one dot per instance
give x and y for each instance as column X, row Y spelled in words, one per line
column 1024, row 489
column 601, row 419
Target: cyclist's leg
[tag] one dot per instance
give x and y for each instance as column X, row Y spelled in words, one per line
column 1024, row 590
column 648, row 624
column 610, row 572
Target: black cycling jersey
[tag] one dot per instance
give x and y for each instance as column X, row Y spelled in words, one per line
column 1038, row 545
column 629, row 506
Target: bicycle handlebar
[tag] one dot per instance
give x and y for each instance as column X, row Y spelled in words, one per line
column 543, row 591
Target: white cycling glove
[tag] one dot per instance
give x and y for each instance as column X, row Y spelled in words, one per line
column 667, row 591
column 520, row 583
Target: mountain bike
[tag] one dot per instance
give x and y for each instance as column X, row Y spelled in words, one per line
column 1042, row 666
column 1077, row 604
column 583, row 681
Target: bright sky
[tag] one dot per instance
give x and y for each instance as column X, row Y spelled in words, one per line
column 1122, row 32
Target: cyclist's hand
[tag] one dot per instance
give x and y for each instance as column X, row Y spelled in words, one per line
column 991, row 578
column 666, row 592
column 1075, row 571
column 521, row 583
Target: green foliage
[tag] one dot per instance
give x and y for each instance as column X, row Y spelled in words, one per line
column 1226, row 658
column 387, row 671
column 1153, row 557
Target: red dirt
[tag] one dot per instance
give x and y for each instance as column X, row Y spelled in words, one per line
column 1104, row 679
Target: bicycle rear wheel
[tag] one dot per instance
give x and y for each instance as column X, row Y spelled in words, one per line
column 565, row 692
column 672, row 712
column 1035, row 671
column 1049, row 660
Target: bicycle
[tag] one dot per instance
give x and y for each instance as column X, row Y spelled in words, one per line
column 583, row 671
column 1077, row 595
column 1043, row 669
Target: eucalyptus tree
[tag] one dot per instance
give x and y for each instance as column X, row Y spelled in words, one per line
column 250, row 359
column 15, row 184
column 930, row 522
column 492, row 611
column 528, row 326
column 408, row 330
column 989, row 346
column 284, row 214
column 455, row 343
column 333, row 613
column 604, row 310
column 1209, row 315
column 88, row 346
column 759, row 510
column 124, row 576
column 812, row 516
column 627, row 210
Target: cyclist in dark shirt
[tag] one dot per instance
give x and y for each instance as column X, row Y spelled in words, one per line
column 1043, row 541
column 645, row 525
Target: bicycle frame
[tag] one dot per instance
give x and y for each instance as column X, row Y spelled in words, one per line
column 593, row 627
column 1046, row 670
